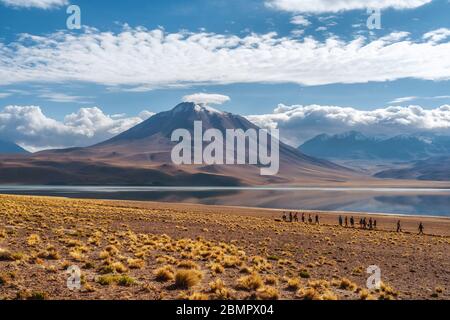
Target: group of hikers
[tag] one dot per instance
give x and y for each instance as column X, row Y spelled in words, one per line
column 293, row 217
column 399, row 227
column 370, row 224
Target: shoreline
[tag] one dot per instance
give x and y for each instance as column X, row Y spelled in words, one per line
column 335, row 212
column 440, row 225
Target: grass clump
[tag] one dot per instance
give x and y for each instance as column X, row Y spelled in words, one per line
column 33, row 240
column 268, row 293
column 346, row 284
column 186, row 264
column 198, row 296
column 164, row 274
column 293, row 284
column 135, row 263
column 122, row 280
column 250, row 282
column 217, row 268
column 185, row 279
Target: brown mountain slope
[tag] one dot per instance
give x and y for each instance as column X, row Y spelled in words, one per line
column 141, row 156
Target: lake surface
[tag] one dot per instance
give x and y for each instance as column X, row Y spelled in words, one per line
column 432, row 202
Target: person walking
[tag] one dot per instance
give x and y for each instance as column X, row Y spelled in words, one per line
column 352, row 221
column 346, row 221
column 340, row 221
column 421, row 228
column 399, row 226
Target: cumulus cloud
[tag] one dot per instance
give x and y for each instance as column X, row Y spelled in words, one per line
column 437, row 35
column 300, row 21
column 206, row 98
column 299, row 123
column 141, row 58
column 322, row 6
column 41, row 4
column 32, row 129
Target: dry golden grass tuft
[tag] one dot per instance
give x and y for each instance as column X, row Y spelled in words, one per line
column 268, row 293
column 164, row 274
column 135, row 263
column 34, row 240
column 186, row 264
column 250, row 282
column 346, row 284
column 293, row 284
column 185, row 279
column 122, row 280
column 386, row 292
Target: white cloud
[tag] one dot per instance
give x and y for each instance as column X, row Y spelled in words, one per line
column 437, row 35
column 5, row 94
column 144, row 115
column 31, row 128
column 322, row 6
column 300, row 21
column 403, row 99
column 62, row 97
column 41, row 4
column 297, row 32
column 147, row 59
column 412, row 98
column 206, row 98
column 299, row 123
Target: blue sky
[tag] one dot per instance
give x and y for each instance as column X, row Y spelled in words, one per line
column 58, row 89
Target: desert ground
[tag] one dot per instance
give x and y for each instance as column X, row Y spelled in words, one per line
column 146, row 250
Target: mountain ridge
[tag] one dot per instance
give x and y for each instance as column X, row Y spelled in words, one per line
column 146, row 148
column 355, row 145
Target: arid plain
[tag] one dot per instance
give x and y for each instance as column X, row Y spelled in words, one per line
column 146, row 250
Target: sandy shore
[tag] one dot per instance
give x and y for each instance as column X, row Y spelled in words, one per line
column 147, row 250
column 437, row 226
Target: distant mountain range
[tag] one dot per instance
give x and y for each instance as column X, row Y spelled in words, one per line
column 355, row 145
column 141, row 156
column 7, row 147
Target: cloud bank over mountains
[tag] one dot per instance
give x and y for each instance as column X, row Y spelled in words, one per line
column 299, row 123
column 33, row 130
column 141, row 58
